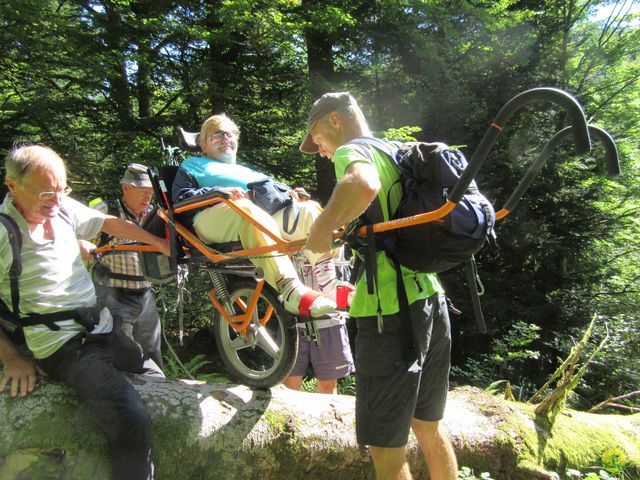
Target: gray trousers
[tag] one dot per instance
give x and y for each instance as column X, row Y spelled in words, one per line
column 140, row 319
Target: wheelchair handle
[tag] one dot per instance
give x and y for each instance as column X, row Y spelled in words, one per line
column 554, row 95
column 611, row 157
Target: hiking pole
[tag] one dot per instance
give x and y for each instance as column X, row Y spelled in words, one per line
column 611, row 157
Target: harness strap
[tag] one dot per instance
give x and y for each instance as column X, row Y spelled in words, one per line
column 15, row 241
column 293, row 208
column 473, row 280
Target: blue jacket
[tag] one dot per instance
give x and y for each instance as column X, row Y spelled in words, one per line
column 200, row 175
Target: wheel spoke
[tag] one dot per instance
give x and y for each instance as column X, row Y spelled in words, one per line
column 238, row 343
column 266, row 342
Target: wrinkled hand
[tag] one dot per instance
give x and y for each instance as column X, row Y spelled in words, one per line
column 20, row 374
column 236, row 193
column 320, row 239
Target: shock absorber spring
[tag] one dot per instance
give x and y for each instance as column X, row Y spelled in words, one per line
column 220, row 285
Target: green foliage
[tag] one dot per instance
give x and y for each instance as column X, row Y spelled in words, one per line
column 466, row 473
column 613, row 467
column 507, row 355
column 347, row 385
column 195, row 366
column 102, row 82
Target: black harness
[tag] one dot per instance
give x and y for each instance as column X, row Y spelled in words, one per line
column 87, row 317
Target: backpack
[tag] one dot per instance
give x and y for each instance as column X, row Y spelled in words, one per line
column 428, row 172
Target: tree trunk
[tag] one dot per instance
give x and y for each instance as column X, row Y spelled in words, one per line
column 321, row 80
column 231, row 432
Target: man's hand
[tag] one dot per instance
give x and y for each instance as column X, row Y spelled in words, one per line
column 320, row 239
column 20, row 373
column 86, row 248
column 299, row 193
column 235, row 193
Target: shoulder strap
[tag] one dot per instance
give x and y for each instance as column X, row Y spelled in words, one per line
column 383, row 146
column 113, row 208
column 15, row 241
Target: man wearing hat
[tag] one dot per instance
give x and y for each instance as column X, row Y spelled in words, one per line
column 402, row 348
column 118, row 277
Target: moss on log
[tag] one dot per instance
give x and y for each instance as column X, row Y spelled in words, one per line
column 231, row 432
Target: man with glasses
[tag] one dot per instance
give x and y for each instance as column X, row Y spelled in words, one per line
column 71, row 337
column 118, row 276
column 217, row 170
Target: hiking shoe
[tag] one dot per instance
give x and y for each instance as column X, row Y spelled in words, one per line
column 301, row 300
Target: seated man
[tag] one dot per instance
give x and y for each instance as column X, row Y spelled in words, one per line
column 77, row 343
column 217, row 170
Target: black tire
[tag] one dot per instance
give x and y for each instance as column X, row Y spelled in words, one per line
column 266, row 357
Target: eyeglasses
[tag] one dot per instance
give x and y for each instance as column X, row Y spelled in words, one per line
column 220, row 134
column 54, row 193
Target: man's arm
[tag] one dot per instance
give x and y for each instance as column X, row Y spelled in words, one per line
column 18, row 370
column 351, row 197
column 120, row 228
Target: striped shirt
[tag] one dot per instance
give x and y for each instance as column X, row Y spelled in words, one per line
column 53, row 276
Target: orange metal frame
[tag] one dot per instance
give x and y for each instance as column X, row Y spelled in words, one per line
column 240, row 322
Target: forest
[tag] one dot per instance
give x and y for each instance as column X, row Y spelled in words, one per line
column 106, row 83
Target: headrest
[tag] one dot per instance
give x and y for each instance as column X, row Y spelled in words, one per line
column 188, row 140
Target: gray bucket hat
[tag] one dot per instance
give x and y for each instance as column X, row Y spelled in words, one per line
column 327, row 103
column 136, row 175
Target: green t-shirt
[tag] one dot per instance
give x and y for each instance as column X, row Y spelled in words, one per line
column 418, row 285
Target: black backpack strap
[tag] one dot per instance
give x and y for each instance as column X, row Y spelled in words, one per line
column 409, row 348
column 15, row 241
column 289, row 211
column 473, row 280
column 87, row 317
column 115, row 209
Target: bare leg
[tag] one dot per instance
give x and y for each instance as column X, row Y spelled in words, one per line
column 293, row 382
column 390, row 463
column 328, row 386
column 437, row 450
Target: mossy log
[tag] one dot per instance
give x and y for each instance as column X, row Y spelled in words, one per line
column 231, row 432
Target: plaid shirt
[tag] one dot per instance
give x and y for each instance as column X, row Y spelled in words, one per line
column 122, row 262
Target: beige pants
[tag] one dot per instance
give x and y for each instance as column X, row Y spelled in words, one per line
column 219, row 224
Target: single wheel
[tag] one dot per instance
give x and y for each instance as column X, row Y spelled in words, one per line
column 265, row 356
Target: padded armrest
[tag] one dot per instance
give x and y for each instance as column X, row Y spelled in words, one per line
column 200, row 198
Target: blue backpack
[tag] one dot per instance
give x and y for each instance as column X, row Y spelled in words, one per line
column 428, row 172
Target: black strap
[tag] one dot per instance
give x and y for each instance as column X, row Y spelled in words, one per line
column 15, row 241
column 472, row 281
column 409, row 344
column 88, row 317
column 286, row 216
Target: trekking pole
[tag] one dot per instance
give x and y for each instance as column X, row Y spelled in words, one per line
column 578, row 127
column 611, row 157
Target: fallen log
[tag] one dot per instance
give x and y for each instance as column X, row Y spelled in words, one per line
column 232, row 432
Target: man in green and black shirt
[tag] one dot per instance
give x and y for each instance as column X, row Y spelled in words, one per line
column 402, row 352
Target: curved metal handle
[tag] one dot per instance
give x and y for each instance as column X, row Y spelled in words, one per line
column 553, row 95
column 611, row 157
